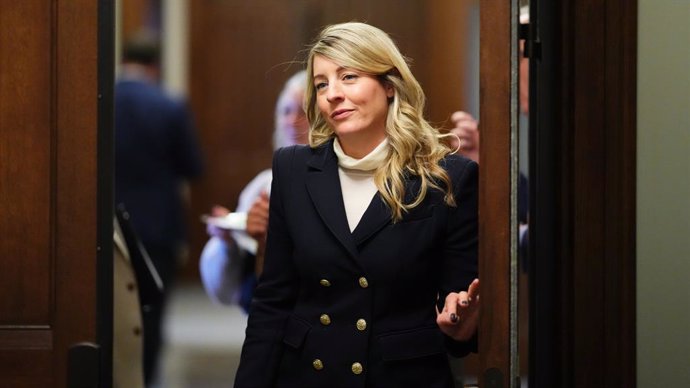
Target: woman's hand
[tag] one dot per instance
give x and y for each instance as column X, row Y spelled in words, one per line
column 460, row 316
column 257, row 218
column 257, row 227
column 219, row 211
column 467, row 130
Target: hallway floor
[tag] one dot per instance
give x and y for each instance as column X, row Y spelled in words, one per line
column 203, row 341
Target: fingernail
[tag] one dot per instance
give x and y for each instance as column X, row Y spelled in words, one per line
column 453, row 317
column 464, row 303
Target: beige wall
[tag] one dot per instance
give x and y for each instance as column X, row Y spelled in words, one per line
column 663, row 194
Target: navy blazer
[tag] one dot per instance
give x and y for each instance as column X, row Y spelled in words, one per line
column 336, row 308
column 156, row 148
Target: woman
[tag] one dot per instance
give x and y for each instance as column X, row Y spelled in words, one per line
column 230, row 260
column 372, row 233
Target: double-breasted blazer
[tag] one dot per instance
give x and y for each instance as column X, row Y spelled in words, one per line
column 336, row 308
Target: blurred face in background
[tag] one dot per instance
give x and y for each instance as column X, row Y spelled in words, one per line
column 523, row 80
column 293, row 120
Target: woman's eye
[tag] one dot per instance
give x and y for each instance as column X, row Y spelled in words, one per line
column 349, row 77
column 320, row 85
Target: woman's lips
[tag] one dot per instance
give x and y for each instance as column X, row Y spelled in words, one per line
column 341, row 113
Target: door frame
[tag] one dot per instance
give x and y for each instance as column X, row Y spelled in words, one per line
column 583, row 144
column 105, row 187
column 497, row 104
column 582, row 193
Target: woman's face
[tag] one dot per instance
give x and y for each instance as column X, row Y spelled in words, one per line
column 354, row 104
column 293, row 120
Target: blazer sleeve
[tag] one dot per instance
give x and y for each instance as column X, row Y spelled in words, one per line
column 460, row 252
column 276, row 292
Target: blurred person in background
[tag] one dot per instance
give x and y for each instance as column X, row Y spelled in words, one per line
column 232, row 260
column 156, row 153
column 128, row 367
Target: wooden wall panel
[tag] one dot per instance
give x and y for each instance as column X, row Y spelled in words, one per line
column 25, row 174
column 134, row 16
column 240, row 56
column 75, row 181
column 26, row 368
column 48, row 189
column 443, row 59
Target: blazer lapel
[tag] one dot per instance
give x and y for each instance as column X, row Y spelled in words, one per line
column 374, row 218
column 323, row 185
column 378, row 214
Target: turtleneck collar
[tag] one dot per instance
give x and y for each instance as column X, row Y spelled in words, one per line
column 368, row 163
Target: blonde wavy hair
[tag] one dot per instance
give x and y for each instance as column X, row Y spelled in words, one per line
column 415, row 146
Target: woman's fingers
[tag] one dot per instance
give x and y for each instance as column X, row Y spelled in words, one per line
column 460, row 314
column 461, row 116
column 451, row 307
column 219, row 211
column 473, row 291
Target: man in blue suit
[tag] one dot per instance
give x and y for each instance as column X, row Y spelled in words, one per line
column 156, row 151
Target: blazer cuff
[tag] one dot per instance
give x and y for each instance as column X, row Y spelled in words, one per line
column 462, row 348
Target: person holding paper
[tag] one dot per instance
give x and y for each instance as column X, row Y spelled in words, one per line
column 232, row 257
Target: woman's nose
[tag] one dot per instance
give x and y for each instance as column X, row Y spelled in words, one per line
column 333, row 93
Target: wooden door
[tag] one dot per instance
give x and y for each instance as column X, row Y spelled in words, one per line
column 52, row 250
column 582, row 215
column 495, row 207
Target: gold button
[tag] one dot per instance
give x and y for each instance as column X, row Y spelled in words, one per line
column 317, row 364
column 363, row 282
column 357, row 368
column 361, row 324
column 325, row 319
column 325, row 282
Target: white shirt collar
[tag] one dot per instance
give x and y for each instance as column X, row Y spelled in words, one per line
column 369, row 162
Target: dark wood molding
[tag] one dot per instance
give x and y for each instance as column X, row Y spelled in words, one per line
column 620, row 200
column 75, row 188
column 494, row 193
column 583, row 177
column 105, row 195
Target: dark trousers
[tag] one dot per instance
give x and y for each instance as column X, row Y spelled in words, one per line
column 165, row 259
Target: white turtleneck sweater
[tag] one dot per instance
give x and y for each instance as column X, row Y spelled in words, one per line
column 357, row 180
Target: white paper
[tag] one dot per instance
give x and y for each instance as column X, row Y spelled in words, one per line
column 232, row 221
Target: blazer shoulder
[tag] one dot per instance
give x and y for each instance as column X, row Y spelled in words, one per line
column 291, row 160
column 458, row 165
column 297, row 150
column 301, row 154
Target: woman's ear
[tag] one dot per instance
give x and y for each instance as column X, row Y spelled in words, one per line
column 390, row 90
